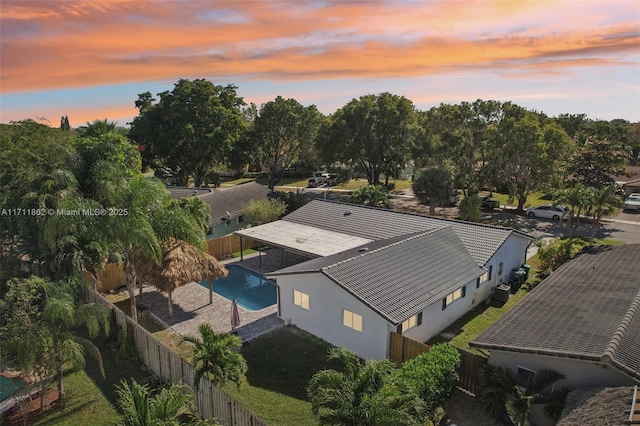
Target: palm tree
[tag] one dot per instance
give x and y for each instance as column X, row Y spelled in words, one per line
column 198, row 209
column 576, row 199
column 366, row 393
column 170, row 406
column 601, row 200
column 50, row 341
column 215, row 356
column 500, row 391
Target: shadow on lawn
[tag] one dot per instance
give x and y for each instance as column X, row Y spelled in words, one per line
column 284, row 361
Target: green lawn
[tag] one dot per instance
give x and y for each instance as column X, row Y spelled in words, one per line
column 85, row 404
column 281, row 364
column 535, row 199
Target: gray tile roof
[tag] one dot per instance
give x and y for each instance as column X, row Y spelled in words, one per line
column 482, row 241
column 179, row 192
column 400, row 276
column 588, row 309
column 233, row 200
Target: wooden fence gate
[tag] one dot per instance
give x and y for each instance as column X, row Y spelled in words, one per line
column 402, row 348
column 470, row 366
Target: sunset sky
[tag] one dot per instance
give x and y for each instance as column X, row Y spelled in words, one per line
column 90, row 59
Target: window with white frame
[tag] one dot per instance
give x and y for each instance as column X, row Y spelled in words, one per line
column 453, row 296
column 352, row 320
column 301, row 299
column 414, row 321
column 524, row 376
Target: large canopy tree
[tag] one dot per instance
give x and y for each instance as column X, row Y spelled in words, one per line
column 434, row 187
column 191, row 128
column 528, row 152
column 282, row 131
column 597, row 161
column 373, row 134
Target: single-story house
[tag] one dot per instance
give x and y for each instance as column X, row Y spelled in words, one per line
column 583, row 321
column 372, row 271
column 227, row 205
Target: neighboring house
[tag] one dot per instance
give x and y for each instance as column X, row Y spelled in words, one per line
column 583, row 321
column 374, row 271
column 227, row 206
column 629, row 183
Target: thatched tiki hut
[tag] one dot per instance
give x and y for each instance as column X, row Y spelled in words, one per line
column 182, row 263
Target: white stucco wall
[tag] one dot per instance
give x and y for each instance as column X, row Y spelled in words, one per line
column 578, row 373
column 323, row 319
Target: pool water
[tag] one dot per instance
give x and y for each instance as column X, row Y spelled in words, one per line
column 10, row 386
column 251, row 290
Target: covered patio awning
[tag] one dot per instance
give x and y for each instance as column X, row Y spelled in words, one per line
column 302, row 238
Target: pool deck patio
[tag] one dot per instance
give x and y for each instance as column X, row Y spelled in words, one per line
column 191, row 305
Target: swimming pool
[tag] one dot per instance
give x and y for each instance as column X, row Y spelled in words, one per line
column 252, row 291
column 10, row 386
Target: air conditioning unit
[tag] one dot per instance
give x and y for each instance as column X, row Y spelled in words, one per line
column 501, row 293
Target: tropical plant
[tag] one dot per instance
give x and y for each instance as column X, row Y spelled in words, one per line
column 369, row 195
column 53, row 311
column 501, row 391
column 198, row 209
column 576, row 199
column 170, row 406
column 215, row 356
column 601, row 200
column 364, row 393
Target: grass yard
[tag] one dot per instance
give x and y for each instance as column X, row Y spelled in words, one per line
column 85, row 404
column 535, row 199
column 281, row 364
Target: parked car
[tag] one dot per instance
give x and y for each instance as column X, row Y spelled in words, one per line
column 315, row 182
column 632, row 202
column 548, row 211
column 489, row 203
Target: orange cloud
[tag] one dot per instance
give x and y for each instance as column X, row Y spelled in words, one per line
column 80, row 43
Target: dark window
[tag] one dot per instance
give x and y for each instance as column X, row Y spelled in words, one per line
column 524, row 376
column 490, row 271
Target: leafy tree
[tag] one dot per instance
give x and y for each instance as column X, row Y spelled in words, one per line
column 600, row 201
column 293, row 200
column 433, row 374
column 469, row 208
column 64, row 123
column 433, row 186
column 598, row 160
column 191, row 128
column 528, row 152
column 281, row 130
column 373, row 133
column 553, row 255
column 216, row 356
column 169, row 406
column 365, row 393
column 99, row 128
column 369, row 195
column 259, row 212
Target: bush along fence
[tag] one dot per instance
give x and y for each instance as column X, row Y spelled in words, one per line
column 170, row 367
column 402, row 349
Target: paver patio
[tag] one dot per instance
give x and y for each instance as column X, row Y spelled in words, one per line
column 191, row 305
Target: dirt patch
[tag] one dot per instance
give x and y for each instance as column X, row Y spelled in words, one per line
column 462, row 410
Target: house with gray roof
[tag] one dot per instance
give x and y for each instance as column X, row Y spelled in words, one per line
column 582, row 321
column 227, row 205
column 374, row 271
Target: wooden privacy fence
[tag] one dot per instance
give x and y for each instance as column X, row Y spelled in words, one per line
column 402, row 349
column 112, row 276
column 170, row 367
column 224, row 247
column 470, row 366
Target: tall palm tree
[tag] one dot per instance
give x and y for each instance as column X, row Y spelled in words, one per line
column 198, row 209
column 170, row 406
column 216, row 356
column 601, row 200
column 577, row 200
column 365, row 393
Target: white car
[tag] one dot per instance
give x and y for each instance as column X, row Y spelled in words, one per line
column 548, row 211
column 632, row 203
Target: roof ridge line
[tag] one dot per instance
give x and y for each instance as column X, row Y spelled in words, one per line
column 618, row 335
column 410, row 236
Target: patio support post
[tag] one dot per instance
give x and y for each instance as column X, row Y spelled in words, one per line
column 260, row 257
column 241, row 251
